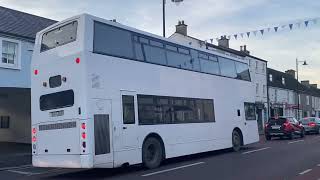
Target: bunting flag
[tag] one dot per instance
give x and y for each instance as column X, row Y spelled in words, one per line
column 262, row 31
column 290, row 26
column 275, row 29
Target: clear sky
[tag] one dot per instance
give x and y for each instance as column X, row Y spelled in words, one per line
column 209, row 19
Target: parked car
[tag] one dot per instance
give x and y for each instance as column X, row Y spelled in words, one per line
column 311, row 125
column 283, row 127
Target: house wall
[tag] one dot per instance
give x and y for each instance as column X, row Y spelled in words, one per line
column 15, row 103
column 17, row 76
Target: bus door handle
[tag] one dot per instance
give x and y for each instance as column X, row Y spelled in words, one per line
column 124, row 127
column 245, row 123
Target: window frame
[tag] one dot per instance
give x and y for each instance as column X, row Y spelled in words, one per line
column 165, row 43
column 131, row 121
column 245, row 112
column 171, row 100
column 17, row 61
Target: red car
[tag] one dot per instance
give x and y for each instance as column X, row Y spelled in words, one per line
column 283, row 127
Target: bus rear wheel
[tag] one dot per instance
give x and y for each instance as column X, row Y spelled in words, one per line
column 236, row 141
column 152, row 153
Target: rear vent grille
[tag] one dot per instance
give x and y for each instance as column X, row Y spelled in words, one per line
column 58, row 126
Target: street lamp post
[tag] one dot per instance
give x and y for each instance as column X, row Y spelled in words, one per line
column 298, row 95
column 164, row 14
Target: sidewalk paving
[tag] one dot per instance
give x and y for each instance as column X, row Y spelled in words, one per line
column 14, row 154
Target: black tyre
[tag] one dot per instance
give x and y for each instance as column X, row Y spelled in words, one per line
column 318, row 132
column 268, row 137
column 236, row 141
column 290, row 136
column 302, row 133
column 152, row 153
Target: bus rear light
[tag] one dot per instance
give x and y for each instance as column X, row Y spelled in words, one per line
column 84, row 135
column 34, row 131
column 36, row 72
column 84, row 144
column 83, row 125
column 78, row 60
column 34, row 139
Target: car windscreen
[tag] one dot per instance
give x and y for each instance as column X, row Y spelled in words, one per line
column 307, row 120
column 57, row 100
column 59, row 36
column 278, row 121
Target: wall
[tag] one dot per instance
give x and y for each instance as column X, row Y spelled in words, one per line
column 15, row 102
column 18, row 77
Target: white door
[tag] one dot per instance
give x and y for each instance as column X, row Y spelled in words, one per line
column 129, row 123
column 102, row 131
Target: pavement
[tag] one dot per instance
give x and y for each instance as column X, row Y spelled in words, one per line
column 279, row 159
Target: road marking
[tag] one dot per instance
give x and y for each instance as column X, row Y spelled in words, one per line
column 248, row 152
column 172, row 169
column 15, row 167
column 306, row 171
column 295, row 141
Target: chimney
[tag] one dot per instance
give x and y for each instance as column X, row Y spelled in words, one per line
column 244, row 49
column 182, row 28
column 314, row 85
column 223, row 42
column 291, row 72
column 306, row 83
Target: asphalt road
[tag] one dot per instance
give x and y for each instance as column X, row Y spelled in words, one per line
column 297, row 159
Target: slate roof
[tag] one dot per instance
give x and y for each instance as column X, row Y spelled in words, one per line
column 20, row 24
column 290, row 83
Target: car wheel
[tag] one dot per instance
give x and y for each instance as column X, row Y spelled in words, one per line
column 318, row 132
column 152, row 153
column 236, row 141
column 290, row 136
column 268, row 137
column 302, row 134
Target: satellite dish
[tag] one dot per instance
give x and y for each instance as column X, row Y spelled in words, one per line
column 177, row 2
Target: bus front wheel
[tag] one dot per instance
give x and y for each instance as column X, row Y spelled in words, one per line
column 236, row 141
column 152, row 153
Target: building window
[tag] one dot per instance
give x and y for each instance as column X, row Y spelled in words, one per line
column 263, row 67
column 257, row 88
column 4, row 122
column 308, row 100
column 283, row 81
column 9, row 52
column 256, row 65
column 270, row 77
column 128, row 109
column 264, row 90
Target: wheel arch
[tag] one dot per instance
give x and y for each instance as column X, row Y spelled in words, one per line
column 157, row 136
column 240, row 133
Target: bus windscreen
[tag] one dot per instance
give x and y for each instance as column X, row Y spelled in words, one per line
column 59, row 36
column 57, row 100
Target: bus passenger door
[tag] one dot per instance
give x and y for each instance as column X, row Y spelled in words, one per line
column 129, row 114
column 103, row 153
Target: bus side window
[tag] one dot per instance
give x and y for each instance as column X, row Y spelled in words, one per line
column 128, row 109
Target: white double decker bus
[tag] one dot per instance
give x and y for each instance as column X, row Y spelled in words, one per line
column 106, row 95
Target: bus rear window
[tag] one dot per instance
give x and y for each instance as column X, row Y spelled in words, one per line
column 57, row 100
column 59, row 36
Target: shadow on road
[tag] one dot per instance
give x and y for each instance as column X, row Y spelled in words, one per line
column 117, row 172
